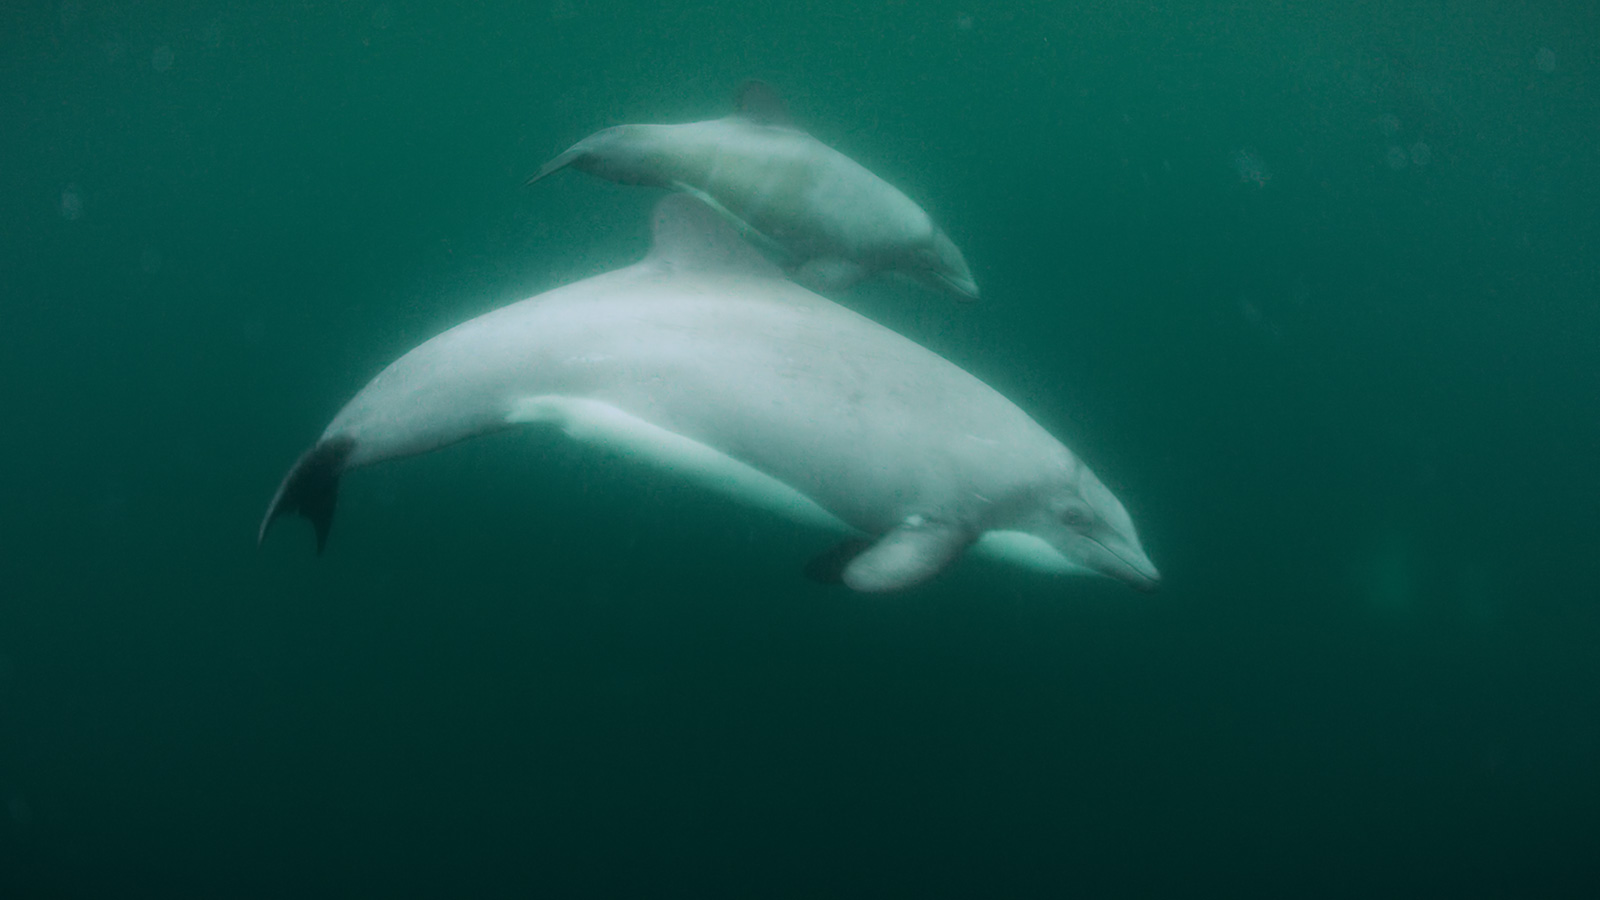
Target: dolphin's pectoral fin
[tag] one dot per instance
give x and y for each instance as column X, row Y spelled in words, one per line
column 747, row 231
column 625, row 435
column 311, row 488
column 759, row 103
column 829, row 274
column 912, row 553
column 828, row 566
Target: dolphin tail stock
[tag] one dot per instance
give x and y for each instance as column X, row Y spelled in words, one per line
column 561, row 162
column 311, row 488
column 610, row 153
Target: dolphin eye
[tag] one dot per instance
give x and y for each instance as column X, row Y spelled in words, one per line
column 1077, row 517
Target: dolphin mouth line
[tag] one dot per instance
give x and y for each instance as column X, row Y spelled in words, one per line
column 1140, row 575
column 967, row 290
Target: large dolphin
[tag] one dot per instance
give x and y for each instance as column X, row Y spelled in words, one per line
column 703, row 359
column 827, row 219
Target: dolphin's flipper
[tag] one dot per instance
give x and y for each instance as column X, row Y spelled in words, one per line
column 910, row 554
column 311, row 488
column 758, row 102
column 745, row 229
column 625, row 435
column 829, row 274
column 828, row 566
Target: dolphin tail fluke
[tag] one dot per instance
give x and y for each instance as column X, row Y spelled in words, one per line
column 559, row 163
column 311, row 488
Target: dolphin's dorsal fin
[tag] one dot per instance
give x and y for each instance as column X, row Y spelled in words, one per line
column 759, row 103
column 691, row 237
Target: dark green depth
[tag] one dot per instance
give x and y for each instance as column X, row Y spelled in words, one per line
column 1312, row 287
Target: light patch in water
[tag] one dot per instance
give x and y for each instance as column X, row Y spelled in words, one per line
column 71, row 10
column 1250, row 168
column 71, row 203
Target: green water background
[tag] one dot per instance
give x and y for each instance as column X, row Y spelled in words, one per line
column 1312, row 286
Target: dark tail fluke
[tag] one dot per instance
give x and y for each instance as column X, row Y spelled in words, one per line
column 311, row 488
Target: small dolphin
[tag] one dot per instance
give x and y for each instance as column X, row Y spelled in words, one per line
column 828, row 220
column 704, row 360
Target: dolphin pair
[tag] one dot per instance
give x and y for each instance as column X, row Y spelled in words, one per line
column 703, row 359
column 828, row 220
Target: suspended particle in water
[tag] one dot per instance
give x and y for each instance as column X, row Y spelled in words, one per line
column 1421, row 154
column 1250, row 311
column 1477, row 596
column 70, row 11
column 964, row 21
column 1257, row 319
column 1388, row 573
column 213, row 33
column 150, row 261
column 1251, row 169
column 71, row 203
column 1545, row 60
column 161, row 58
column 1389, row 124
column 1396, row 158
column 1300, row 293
column 19, row 812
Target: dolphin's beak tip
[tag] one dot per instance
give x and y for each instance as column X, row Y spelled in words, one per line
column 1146, row 579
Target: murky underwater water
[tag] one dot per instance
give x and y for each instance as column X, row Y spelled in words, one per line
column 1313, row 290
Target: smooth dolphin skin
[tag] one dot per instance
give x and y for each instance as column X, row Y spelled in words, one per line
column 824, row 217
column 704, row 360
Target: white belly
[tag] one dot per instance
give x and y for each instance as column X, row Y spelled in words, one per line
column 622, row 434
